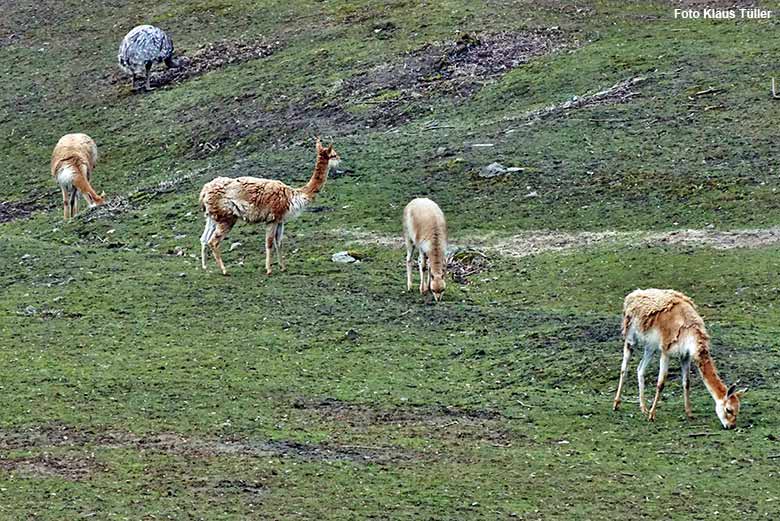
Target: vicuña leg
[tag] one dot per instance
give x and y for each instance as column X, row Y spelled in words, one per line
column 270, row 233
column 221, row 231
column 74, row 202
column 640, row 376
column 422, row 261
column 65, row 205
column 409, row 254
column 627, row 348
column 278, row 236
column 686, row 384
column 208, row 231
column 663, row 370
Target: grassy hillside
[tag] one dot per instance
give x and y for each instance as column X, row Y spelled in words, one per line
column 137, row 386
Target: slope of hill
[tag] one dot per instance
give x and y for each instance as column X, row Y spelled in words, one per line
column 137, row 386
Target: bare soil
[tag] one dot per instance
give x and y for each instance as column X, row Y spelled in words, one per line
column 12, row 211
column 46, row 465
column 540, row 241
column 206, row 58
column 66, row 436
column 444, row 423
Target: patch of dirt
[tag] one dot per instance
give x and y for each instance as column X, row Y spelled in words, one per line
column 48, row 465
column 721, row 240
column 214, row 128
column 206, row 58
column 12, row 211
column 455, row 68
column 460, row 66
column 536, row 242
column 449, row 423
column 60, row 435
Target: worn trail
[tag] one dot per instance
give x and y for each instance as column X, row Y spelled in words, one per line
column 543, row 241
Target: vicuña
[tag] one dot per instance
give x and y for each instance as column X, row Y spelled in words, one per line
column 273, row 203
column 667, row 321
column 425, row 229
column 72, row 163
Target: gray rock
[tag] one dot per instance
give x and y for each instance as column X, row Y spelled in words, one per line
column 492, row 170
column 343, row 257
column 496, row 169
column 234, row 246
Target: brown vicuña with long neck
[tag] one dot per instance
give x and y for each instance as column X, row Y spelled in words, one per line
column 667, row 321
column 255, row 200
column 72, row 162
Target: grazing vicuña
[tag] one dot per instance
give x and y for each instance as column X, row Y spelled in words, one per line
column 225, row 200
column 667, row 321
column 72, row 162
column 426, row 230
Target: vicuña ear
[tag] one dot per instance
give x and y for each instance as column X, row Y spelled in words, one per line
column 731, row 390
column 330, row 148
column 319, row 144
column 741, row 392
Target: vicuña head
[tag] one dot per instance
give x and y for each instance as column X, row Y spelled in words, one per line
column 437, row 284
column 327, row 154
column 727, row 408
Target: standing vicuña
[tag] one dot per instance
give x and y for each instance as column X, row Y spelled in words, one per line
column 666, row 320
column 225, row 200
column 72, row 163
column 426, row 229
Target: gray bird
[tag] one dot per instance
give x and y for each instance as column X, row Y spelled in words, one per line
column 144, row 46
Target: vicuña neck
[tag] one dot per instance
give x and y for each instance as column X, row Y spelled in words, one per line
column 312, row 188
column 436, row 253
column 709, row 374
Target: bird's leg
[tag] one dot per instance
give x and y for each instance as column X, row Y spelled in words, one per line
column 132, row 82
column 148, row 76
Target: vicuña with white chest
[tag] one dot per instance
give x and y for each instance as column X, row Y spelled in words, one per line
column 667, row 321
column 225, row 200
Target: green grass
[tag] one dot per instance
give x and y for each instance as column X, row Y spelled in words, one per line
column 327, row 391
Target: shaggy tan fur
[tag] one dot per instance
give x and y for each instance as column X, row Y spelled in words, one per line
column 255, row 200
column 425, row 229
column 667, row 320
column 72, row 162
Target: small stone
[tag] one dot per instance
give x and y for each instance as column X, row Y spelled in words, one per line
column 532, row 194
column 235, row 246
column 492, row 170
column 343, row 257
column 352, row 335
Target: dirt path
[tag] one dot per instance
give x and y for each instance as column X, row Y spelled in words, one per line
column 542, row 241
